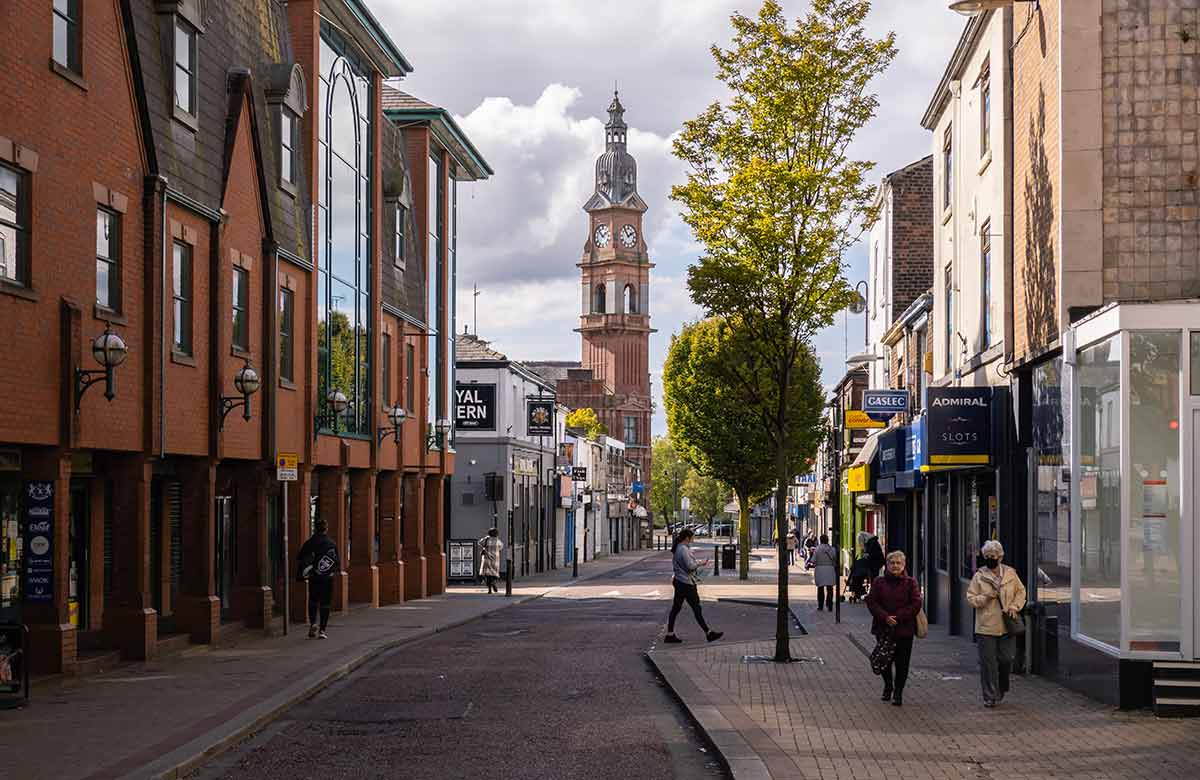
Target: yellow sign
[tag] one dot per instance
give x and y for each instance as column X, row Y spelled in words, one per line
column 859, row 419
column 857, row 478
column 286, row 465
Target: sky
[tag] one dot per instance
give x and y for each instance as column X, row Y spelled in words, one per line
column 529, row 81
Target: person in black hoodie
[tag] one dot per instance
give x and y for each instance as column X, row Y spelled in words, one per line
column 318, row 563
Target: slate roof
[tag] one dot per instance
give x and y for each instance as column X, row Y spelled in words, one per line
column 236, row 36
column 468, row 347
column 402, row 101
column 553, row 371
column 403, row 107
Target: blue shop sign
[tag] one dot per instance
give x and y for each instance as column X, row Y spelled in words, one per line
column 914, row 455
column 891, row 453
column 883, row 404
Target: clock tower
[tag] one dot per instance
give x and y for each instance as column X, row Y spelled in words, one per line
column 615, row 270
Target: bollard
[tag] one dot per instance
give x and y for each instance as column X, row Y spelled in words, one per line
column 508, row 580
column 575, row 563
column 716, row 561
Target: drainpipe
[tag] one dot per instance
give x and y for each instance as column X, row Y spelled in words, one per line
column 161, row 182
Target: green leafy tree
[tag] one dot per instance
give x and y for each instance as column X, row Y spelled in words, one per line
column 708, row 496
column 668, row 473
column 585, row 419
column 708, row 420
column 776, row 199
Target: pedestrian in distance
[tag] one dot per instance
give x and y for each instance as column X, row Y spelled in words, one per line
column 489, row 559
column 998, row 596
column 791, row 549
column 319, row 562
column 810, row 544
column 873, row 552
column 824, row 572
column 894, row 601
column 685, row 579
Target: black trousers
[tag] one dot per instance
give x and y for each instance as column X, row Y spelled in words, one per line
column 491, row 583
column 900, row 663
column 320, row 596
column 688, row 593
column 824, row 597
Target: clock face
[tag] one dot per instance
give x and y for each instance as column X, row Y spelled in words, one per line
column 603, row 235
column 628, row 236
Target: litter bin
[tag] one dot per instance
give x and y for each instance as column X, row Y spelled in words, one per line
column 729, row 556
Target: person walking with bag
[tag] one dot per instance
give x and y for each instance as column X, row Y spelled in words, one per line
column 318, row 560
column 489, row 559
column 824, row 572
column 685, row 580
column 894, row 601
column 998, row 596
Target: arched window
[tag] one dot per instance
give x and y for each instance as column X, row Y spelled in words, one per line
column 629, row 300
column 598, row 304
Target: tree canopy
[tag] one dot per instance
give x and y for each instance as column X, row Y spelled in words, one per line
column 586, row 420
column 668, row 473
column 708, row 495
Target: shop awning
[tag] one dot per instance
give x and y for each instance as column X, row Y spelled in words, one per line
column 868, row 451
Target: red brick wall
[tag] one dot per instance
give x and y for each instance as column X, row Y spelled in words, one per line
column 912, row 234
column 187, row 380
column 80, row 138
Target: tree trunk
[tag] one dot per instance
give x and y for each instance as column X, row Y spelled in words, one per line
column 783, row 650
column 743, row 536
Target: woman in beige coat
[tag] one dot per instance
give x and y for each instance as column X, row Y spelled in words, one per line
column 995, row 591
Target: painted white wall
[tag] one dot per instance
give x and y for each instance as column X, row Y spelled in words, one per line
column 976, row 199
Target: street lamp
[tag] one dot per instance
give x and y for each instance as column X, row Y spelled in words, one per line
column 246, row 381
column 439, row 436
column 109, row 350
column 335, row 406
column 396, row 416
column 976, row 7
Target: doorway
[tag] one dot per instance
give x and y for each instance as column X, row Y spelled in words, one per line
column 78, row 570
column 226, row 553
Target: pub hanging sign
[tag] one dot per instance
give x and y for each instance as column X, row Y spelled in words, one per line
column 958, row 427
column 539, row 418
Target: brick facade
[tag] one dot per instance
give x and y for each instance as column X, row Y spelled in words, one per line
column 912, row 233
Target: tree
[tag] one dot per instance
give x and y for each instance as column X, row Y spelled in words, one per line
column 668, row 473
column 708, row 495
column 585, row 419
column 706, row 415
column 776, row 200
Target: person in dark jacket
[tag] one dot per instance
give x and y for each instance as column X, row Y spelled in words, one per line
column 318, row 564
column 894, row 601
column 873, row 551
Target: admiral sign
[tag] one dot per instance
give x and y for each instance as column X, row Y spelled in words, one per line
column 475, row 407
column 883, row 404
column 959, row 426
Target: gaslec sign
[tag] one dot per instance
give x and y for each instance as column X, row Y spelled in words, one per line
column 883, row 404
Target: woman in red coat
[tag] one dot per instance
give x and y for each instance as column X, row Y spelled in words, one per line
column 894, row 601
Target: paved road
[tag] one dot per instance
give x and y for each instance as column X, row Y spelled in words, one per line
column 555, row 688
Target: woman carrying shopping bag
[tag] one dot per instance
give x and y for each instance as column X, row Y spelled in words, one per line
column 998, row 596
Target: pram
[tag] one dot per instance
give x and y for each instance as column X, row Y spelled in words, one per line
column 859, row 582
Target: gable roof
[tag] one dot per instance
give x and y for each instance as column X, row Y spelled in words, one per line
column 241, row 96
column 403, row 108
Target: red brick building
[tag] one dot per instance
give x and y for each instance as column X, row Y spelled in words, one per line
column 220, row 187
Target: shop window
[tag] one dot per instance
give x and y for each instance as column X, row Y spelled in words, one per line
column 14, row 226
column 1051, row 469
column 1152, row 546
column 68, row 46
column 1098, row 371
column 108, row 253
column 241, row 309
column 287, row 313
column 968, row 532
column 944, row 512
column 181, row 271
column 11, row 546
column 1195, row 359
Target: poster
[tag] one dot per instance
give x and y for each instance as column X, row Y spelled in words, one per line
column 39, row 531
column 1154, row 515
column 462, row 559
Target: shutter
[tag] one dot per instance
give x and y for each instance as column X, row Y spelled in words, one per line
column 175, row 529
column 108, row 543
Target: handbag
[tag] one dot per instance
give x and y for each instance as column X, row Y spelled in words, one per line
column 922, row 624
column 884, row 652
column 1013, row 626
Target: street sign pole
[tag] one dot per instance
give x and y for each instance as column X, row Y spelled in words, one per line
column 286, row 466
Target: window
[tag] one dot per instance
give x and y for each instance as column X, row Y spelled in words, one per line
column 185, row 67
column 947, row 167
column 344, row 184
column 630, row 429
column 922, row 346
column 875, row 283
column 241, row 302
column 288, row 127
column 598, row 307
column 108, row 253
column 386, row 356
column 67, row 48
column 14, row 226
column 286, row 329
column 985, row 276
column 949, row 295
column 398, row 236
column 629, row 300
column 182, row 280
column 985, row 110
column 410, row 384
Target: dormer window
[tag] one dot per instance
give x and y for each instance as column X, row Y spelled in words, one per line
column 285, row 94
column 185, row 68
column 287, row 146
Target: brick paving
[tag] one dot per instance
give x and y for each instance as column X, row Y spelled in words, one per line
column 824, row 719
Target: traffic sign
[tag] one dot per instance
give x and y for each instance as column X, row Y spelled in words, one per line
column 286, row 466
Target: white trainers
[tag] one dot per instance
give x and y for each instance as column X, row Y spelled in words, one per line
column 322, row 635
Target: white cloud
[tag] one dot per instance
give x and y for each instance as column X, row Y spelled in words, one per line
column 529, row 82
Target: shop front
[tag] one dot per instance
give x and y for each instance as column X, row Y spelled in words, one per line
column 899, row 488
column 1132, row 372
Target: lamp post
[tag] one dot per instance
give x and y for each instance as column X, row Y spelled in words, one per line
column 335, row 406
column 439, row 437
column 976, row 7
column 246, row 382
column 396, row 416
column 109, row 350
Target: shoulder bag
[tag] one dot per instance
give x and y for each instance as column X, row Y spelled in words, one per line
column 1013, row 626
column 922, row 624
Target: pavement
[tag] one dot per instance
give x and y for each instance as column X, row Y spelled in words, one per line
column 822, row 717
column 165, row 717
